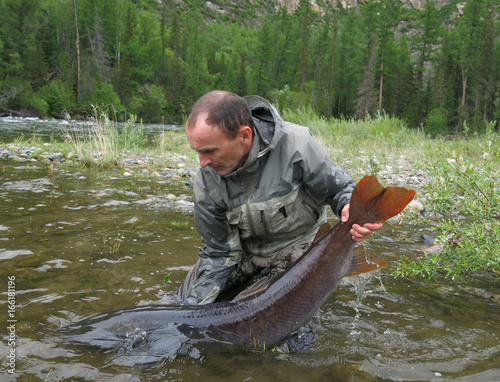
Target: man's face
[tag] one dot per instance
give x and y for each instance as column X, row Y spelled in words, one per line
column 215, row 149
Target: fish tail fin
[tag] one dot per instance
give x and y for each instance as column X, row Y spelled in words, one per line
column 363, row 262
column 372, row 203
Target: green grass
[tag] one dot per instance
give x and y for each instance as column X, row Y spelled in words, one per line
column 467, row 195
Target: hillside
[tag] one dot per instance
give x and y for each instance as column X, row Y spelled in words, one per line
column 251, row 10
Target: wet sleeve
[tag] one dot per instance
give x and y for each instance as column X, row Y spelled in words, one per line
column 222, row 247
column 323, row 178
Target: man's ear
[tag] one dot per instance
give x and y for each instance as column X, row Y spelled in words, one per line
column 246, row 133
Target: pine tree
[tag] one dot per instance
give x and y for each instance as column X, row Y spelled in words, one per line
column 305, row 16
column 487, row 75
column 325, row 51
column 470, row 27
column 429, row 27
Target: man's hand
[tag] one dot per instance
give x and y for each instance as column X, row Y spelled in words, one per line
column 359, row 232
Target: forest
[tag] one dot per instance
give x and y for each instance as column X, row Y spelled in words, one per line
column 435, row 68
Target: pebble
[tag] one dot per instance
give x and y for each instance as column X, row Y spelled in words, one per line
column 416, row 206
column 426, row 239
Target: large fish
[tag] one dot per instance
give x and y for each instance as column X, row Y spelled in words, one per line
column 266, row 317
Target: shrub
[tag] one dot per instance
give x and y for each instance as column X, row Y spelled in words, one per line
column 38, row 104
column 470, row 238
column 149, row 103
column 288, row 100
column 57, row 97
column 435, row 123
column 103, row 96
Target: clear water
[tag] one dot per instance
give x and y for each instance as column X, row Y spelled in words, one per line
column 83, row 242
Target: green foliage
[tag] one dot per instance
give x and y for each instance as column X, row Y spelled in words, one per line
column 435, row 123
column 103, row 96
column 37, row 103
column 460, row 187
column 167, row 279
column 287, row 100
column 470, row 241
column 150, row 104
column 466, row 248
column 57, row 97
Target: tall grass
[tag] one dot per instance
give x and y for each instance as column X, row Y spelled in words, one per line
column 383, row 140
column 105, row 143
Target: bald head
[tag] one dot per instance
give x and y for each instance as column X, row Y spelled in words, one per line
column 224, row 110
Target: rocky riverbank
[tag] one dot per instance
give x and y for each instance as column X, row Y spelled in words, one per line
column 180, row 170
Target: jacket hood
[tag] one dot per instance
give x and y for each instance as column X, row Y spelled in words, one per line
column 267, row 122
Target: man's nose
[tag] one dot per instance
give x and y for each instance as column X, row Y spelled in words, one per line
column 204, row 160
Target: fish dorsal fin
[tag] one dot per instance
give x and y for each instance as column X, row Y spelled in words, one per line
column 322, row 231
column 363, row 262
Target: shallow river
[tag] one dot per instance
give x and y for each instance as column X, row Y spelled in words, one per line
column 77, row 242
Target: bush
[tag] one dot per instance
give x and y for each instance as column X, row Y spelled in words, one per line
column 470, row 238
column 150, row 104
column 57, row 97
column 38, row 104
column 435, row 123
column 104, row 97
column 286, row 99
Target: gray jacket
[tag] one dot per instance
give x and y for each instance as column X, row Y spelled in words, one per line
column 276, row 200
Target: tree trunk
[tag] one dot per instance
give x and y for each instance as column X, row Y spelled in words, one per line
column 77, row 52
column 381, row 84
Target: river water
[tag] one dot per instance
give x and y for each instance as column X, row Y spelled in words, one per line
column 47, row 129
column 76, row 242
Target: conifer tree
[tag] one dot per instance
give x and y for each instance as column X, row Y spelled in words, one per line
column 305, row 16
column 470, row 27
column 429, row 27
column 488, row 73
column 263, row 55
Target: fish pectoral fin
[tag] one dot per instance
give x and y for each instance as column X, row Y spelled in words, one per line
column 364, row 261
column 322, row 231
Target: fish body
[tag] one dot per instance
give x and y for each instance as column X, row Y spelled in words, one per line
column 265, row 318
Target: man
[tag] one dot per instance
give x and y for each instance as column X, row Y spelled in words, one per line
column 260, row 195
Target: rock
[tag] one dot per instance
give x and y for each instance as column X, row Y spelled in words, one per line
column 426, row 239
column 65, row 115
column 416, row 206
column 386, row 238
column 190, row 172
